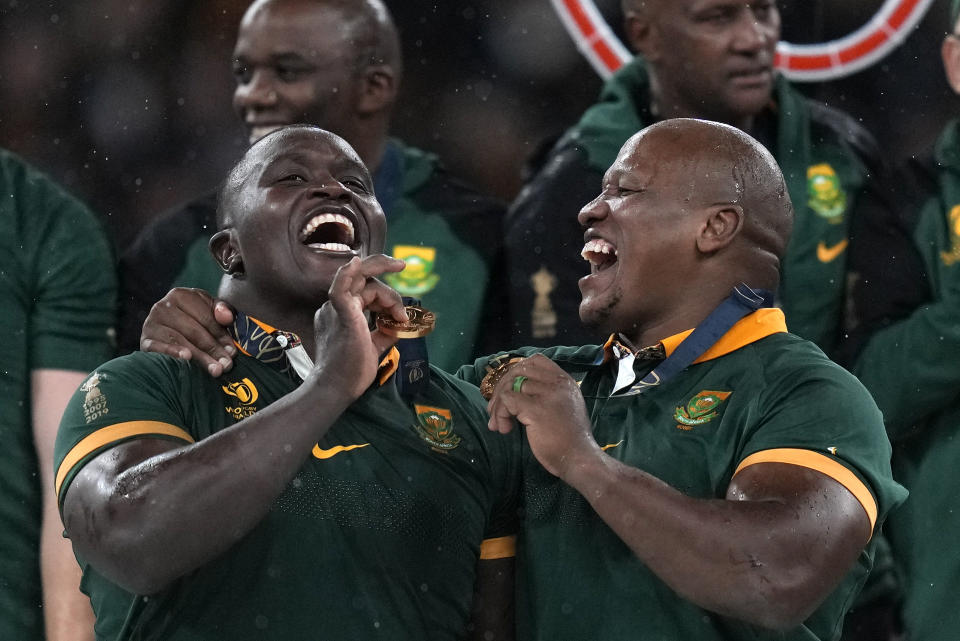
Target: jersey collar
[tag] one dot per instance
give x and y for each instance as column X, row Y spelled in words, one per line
column 749, row 329
column 284, row 351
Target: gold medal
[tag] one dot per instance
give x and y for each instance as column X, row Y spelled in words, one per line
column 420, row 324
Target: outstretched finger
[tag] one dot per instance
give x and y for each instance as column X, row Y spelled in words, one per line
column 379, row 297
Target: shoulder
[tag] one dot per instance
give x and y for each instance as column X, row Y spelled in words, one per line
column 829, row 125
column 786, row 364
column 440, row 191
column 35, row 201
column 179, row 226
column 568, row 358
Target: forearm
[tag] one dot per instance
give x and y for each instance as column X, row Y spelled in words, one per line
column 67, row 612
column 199, row 499
column 730, row 557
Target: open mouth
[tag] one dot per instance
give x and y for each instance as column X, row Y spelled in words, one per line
column 600, row 253
column 331, row 232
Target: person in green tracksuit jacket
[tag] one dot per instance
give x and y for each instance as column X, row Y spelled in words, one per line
column 697, row 61
column 912, row 368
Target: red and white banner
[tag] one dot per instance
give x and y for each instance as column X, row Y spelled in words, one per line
column 806, row 63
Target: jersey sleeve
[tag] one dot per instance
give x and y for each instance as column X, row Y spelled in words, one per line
column 826, row 421
column 135, row 396
column 72, row 319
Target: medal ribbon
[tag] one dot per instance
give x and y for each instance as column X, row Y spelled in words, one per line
column 413, row 374
column 742, row 301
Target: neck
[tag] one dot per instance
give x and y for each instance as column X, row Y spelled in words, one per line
column 665, row 105
column 298, row 320
column 370, row 143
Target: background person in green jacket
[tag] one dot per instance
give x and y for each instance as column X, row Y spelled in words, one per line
column 57, row 297
column 337, row 64
column 912, row 368
column 710, row 59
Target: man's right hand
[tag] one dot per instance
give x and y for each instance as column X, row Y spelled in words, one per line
column 345, row 344
column 190, row 324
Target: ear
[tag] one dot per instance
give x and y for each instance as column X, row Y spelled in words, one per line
column 719, row 228
column 378, row 89
column 642, row 34
column 226, row 253
column 950, row 52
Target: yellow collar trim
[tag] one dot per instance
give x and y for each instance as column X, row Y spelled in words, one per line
column 388, row 366
column 751, row 328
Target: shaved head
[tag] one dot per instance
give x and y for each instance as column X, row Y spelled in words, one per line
column 723, row 165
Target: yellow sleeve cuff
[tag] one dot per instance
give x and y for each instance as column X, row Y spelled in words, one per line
column 823, row 464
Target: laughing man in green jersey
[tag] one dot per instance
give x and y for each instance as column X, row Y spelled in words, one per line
column 304, row 494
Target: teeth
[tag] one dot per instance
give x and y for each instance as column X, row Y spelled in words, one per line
column 597, row 246
column 321, row 219
column 337, row 247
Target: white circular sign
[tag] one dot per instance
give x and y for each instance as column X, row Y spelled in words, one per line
column 806, row 63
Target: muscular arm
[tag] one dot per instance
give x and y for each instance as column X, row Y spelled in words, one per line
column 768, row 553
column 132, row 504
column 67, row 613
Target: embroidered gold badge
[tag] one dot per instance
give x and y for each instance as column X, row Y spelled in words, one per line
column 94, row 401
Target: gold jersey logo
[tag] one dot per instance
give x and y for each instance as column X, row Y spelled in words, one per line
column 246, row 394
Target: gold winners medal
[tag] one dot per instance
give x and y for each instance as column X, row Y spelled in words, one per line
column 420, row 324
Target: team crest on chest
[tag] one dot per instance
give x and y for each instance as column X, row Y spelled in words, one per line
column 245, row 395
column 418, row 277
column 825, row 195
column 953, row 255
column 702, row 408
column 435, row 426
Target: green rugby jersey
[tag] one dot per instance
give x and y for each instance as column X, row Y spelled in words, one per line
column 57, row 289
column 377, row 537
column 758, row 395
column 912, row 369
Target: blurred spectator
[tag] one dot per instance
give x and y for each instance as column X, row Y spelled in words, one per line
column 912, row 367
column 337, row 64
column 57, row 291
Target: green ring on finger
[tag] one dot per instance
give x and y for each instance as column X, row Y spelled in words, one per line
column 518, row 383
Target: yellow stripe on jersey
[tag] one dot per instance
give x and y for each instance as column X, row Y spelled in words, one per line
column 503, row 547
column 823, row 464
column 112, row 434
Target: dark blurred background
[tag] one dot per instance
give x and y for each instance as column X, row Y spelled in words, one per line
column 127, row 102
